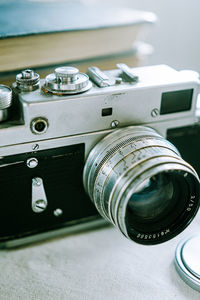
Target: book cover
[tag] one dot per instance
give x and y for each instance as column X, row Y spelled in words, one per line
column 25, row 17
column 133, row 58
column 41, row 33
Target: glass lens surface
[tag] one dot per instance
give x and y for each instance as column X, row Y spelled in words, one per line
column 156, row 203
column 152, row 198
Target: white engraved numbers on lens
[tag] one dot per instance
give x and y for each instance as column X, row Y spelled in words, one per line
column 191, row 203
column 39, row 199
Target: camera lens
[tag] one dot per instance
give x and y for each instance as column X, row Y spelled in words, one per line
column 138, row 181
column 152, row 202
column 157, row 205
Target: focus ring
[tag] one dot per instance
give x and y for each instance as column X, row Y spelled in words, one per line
column 116, row 141
column 115, row 168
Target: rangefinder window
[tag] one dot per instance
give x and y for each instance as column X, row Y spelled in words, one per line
column 176, row 101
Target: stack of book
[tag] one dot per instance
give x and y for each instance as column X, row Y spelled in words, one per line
column 43, row 35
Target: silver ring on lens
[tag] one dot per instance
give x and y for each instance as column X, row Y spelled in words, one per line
column 139, row 182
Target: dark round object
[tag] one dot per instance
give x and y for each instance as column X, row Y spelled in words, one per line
column 39, row 125
column 161, row 207
column 139, row 182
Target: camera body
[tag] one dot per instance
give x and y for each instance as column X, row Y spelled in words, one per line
column 50, row 133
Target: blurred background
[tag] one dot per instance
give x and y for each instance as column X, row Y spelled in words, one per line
column 176, row 36
column 43, row 34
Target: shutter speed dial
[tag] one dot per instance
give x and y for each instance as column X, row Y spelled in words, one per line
column 66, row 74
column 67, row 80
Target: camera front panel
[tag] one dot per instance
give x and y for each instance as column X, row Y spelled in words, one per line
column 24, row 209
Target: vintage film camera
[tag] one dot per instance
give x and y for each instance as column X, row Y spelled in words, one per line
column 105, row 135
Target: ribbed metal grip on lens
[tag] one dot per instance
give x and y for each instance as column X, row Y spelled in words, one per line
column 121, row 163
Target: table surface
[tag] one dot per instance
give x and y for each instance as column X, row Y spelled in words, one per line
column 94, row 265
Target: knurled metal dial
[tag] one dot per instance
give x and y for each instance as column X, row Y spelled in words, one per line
column 67, row 80
column 27, row 80
column 5, row 96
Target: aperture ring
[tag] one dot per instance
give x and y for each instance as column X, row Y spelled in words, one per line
column 136, row 144
column 128, row 156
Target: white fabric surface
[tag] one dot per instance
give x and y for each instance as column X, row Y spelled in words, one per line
column 94, row 265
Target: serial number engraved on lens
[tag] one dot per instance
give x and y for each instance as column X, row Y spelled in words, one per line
column 145, row 236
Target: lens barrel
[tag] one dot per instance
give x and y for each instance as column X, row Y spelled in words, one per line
column 139, row 182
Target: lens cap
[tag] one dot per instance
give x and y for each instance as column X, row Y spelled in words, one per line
column 187, row 261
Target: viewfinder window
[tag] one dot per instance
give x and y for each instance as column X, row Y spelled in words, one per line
column 176, row 101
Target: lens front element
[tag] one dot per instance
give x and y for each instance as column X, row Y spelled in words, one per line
column 138, row 181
